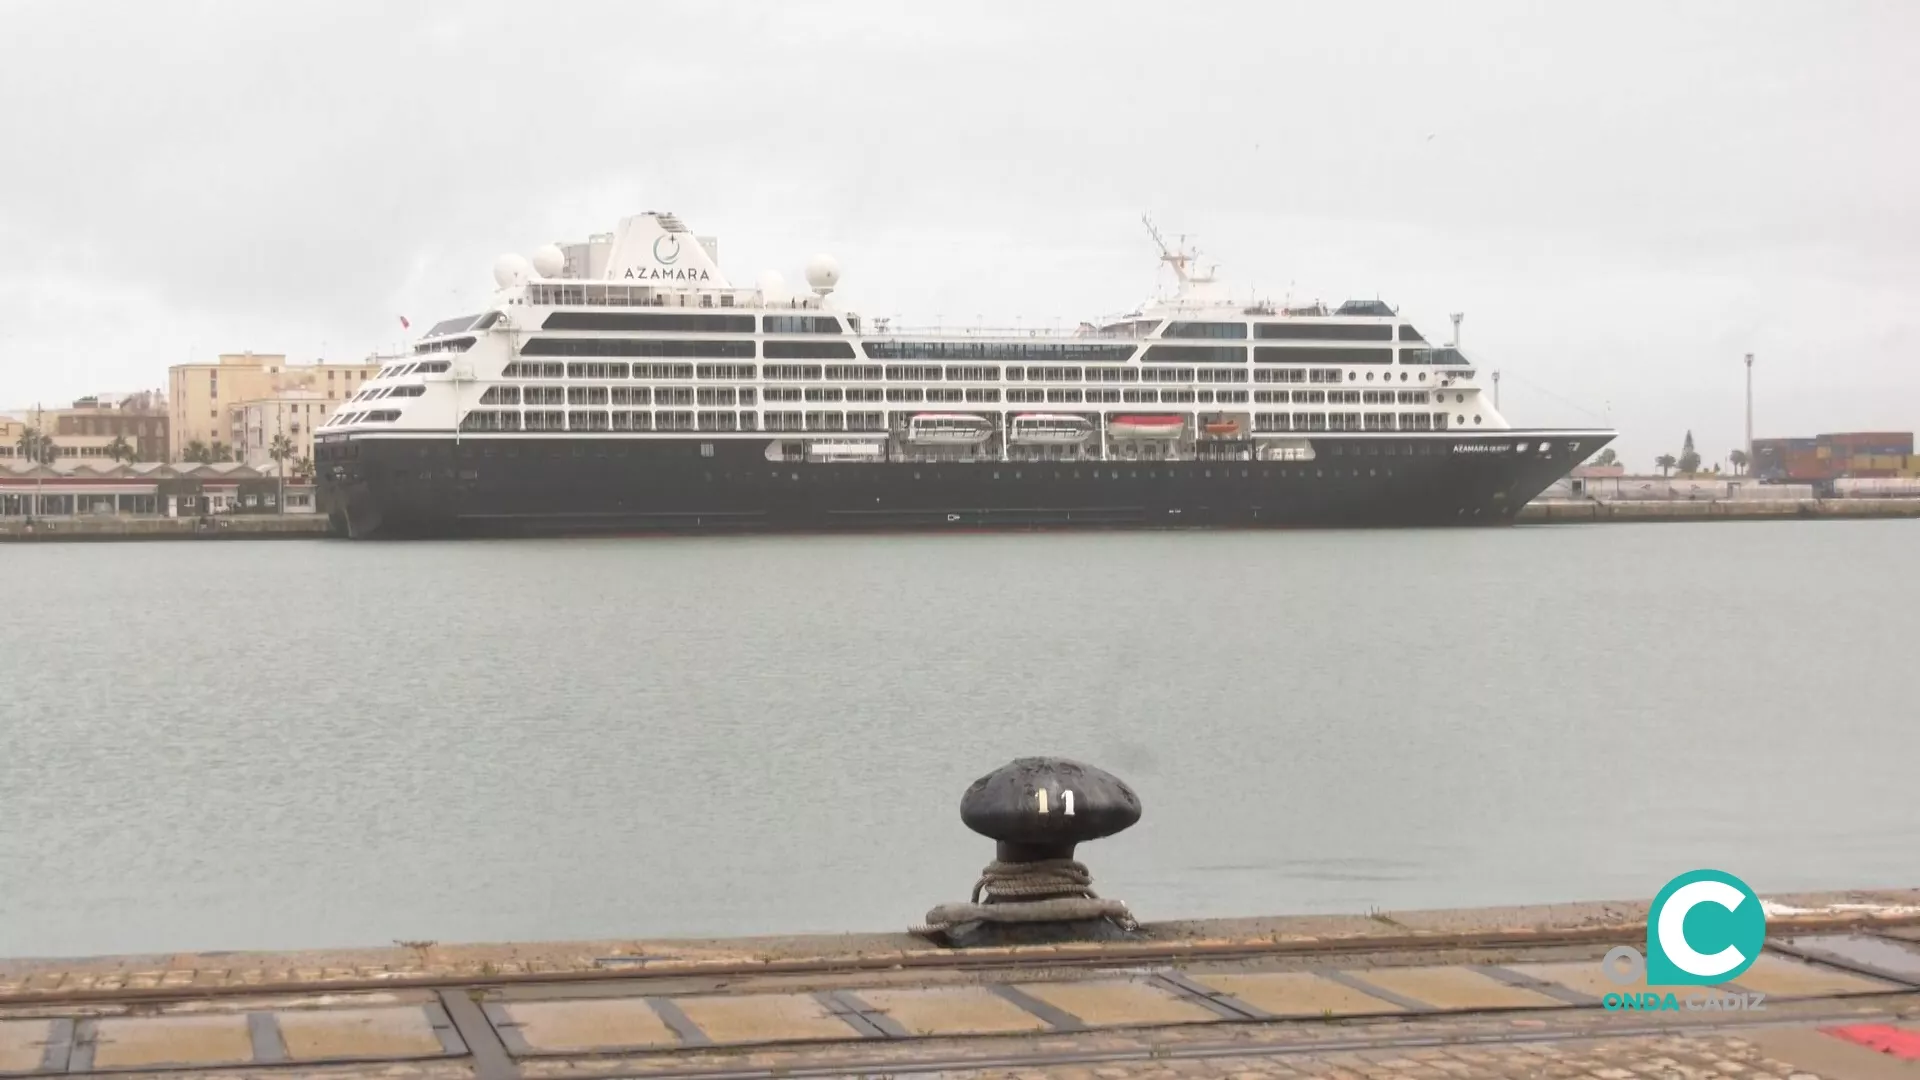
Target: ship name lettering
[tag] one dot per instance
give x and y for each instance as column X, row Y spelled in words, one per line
column 659, row 273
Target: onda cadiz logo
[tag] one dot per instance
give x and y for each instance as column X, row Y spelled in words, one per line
column 1705, row 928
column 672, row 251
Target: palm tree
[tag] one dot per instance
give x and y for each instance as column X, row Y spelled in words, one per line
column 1738, row 459
column 197, row 451
column 1665, row 462
column 1606, row 457
column 37, row 446
column 280, row 449
column 120, row 449
column 303, row 470
column 220, row 452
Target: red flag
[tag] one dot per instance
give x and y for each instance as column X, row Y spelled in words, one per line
column 404, row 324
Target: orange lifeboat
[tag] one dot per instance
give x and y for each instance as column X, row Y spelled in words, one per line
column 1146, row 427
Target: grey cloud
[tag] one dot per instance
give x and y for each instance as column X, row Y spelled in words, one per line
column 1624, row 197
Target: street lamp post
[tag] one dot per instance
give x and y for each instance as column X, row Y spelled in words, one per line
column 279, row 432
column 1749, row 412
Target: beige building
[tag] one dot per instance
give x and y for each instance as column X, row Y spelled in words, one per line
column 293, row 413
column 203, row 397
column 74, row 443
column 139, row 418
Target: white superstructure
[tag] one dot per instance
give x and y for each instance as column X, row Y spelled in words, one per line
column 638, row 334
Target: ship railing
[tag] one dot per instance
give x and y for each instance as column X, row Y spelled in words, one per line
column 617, row 294
column 876, row 328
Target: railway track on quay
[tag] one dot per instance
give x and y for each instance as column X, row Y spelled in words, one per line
column 1116, row 1007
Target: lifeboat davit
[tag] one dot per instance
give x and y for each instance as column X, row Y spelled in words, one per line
column 1146, row 427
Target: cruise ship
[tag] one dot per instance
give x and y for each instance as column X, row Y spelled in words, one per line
column 623, row 385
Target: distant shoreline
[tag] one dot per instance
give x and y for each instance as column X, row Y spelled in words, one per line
column 1557, row 512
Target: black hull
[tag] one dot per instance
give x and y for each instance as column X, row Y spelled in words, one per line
column 431, row 486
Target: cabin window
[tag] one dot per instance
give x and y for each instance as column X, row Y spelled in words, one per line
column 658, row 322
column 1057, row 352
column 792, row 371
column 1295, row 331
column 807, row 350
column 1311, row 354
column 801, row 324
column 1196, row 354
column 1206, row 330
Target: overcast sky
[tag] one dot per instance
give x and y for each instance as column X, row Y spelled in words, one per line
column 1622, row 197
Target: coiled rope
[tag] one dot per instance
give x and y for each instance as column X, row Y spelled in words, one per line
column 1043, row 879
column 1046, row 890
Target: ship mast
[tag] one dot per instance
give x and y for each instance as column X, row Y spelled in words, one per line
column 1180, row 258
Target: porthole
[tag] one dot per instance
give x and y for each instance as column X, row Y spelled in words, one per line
column 1476, row 418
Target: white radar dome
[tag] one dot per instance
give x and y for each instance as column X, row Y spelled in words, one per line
column 511, row 270
column 549, row 260
column 823, row 273
column 773, row 287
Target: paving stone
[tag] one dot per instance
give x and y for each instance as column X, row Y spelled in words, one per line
column 1295, row 993
column 587, row 1024
column 952, row 1010
column 396, row 1031
column 1114, row 1002
column 763, row 1018
column 136, row 1042
column 22, row 1044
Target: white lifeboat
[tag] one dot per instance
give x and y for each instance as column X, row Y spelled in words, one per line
column 1051, row 428
column 1146, row 427
column 845, row 451
column 950, row 428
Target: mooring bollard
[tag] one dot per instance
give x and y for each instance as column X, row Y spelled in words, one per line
column 1037, row 810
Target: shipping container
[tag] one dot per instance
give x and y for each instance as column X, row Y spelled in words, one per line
column 1891, row 442
column 1880, row 488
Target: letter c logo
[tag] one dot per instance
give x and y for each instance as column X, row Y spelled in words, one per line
column 1673, row 933
column 1722, row 912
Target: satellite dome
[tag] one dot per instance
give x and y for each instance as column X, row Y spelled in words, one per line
column 823, row 273
column 549, row 260
column 510, row 270
column 773, row 287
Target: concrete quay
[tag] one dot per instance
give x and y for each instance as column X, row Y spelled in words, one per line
column 1509, row 993
column 1567, row 511
column 218, row 527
